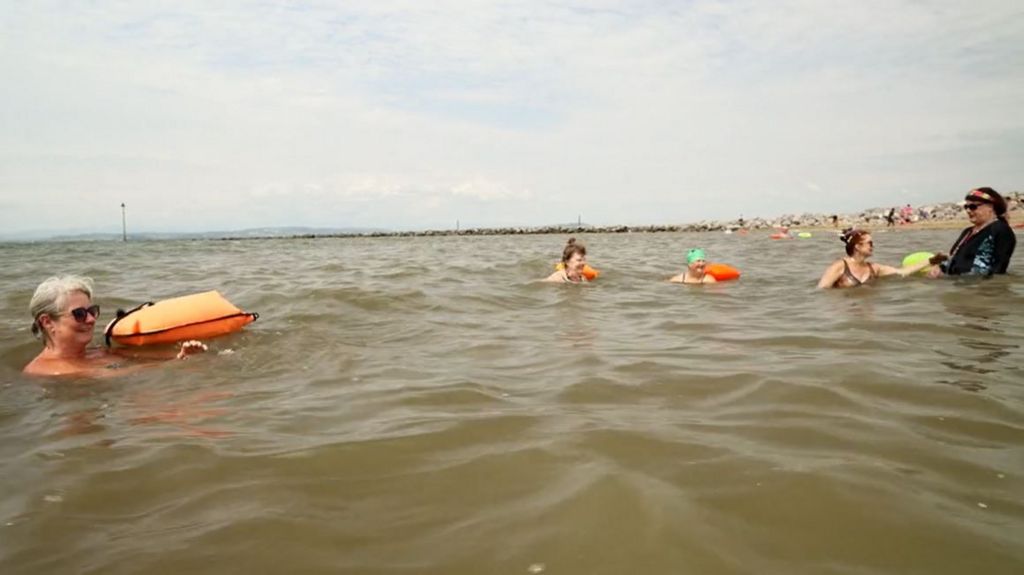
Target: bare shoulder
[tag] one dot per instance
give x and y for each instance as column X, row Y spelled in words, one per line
column 557, row 276
column 43, row 366
column 678, row 279
column 35, row 367
column 831, row 274
column 95, row 363
column 835, row 267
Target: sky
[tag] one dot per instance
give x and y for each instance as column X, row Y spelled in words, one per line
column 397, row 114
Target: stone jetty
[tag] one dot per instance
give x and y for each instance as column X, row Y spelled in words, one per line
column 946, row 212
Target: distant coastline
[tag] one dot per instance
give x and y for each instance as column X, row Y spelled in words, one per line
column 946, row 215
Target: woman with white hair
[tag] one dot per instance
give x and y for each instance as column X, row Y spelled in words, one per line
column 64, row 317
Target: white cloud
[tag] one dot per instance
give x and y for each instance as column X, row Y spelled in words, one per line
column 410, row 114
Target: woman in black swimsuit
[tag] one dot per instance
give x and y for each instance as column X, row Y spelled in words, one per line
column 986, row 247
column 855, row 269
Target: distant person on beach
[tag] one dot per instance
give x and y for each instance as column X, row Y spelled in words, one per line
column 907, row 213
column 835, row 221
column 574, row 258
column 740, row 221
column 984, row 248
column 696, row 269
column 64, row 318
column 891, row 218
column 855, row 269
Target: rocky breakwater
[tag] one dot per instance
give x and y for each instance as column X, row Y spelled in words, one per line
column 941, row 212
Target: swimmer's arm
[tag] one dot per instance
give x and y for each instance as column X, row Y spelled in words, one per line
column 105, row 363
column 143, row 353
column 884, row 270
column 831, row 275
column 1005, row 242
column 710, row 279
column 186, row 349
column 557, row 276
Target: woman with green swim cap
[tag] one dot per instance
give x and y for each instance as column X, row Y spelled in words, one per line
column 696, row 269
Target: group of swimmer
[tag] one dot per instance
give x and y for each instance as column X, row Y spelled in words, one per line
column 983, row 249
column 573, row 267
column 64, row 316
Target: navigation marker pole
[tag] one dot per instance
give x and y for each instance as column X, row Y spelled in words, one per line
column 124, row 225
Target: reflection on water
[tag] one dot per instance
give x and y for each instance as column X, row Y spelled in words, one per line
column 398, row 407
column 981, row 306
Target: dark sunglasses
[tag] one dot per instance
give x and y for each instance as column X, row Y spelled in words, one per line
column 971, row 207
column 81, row 313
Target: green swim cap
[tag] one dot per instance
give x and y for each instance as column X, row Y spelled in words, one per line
column 694, row 255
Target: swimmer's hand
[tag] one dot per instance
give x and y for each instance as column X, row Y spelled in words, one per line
column 938, row 259
column 191, row 347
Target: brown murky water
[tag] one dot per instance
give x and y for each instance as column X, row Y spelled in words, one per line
column 419, row 405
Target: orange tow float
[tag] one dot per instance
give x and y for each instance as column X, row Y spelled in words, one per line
column 588, row 272
column 722, row 272
column 197, row 316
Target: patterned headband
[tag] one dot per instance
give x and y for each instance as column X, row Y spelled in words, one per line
column 980, row 195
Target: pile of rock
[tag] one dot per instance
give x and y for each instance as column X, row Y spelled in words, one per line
column 946, row 211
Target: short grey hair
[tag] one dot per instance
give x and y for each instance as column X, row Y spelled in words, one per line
column 52, row 295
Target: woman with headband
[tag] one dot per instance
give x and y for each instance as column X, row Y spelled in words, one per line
column 984, row 248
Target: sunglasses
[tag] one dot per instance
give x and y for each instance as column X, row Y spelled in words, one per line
column 81, row 313
column 971, row 207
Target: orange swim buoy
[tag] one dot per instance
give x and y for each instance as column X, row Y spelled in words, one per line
column 197, row 316
column 588, row 272
column 722, row 272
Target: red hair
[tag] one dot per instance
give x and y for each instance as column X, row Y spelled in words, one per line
column 851, row 238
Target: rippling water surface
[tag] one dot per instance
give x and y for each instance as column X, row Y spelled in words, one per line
column 420, row 405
